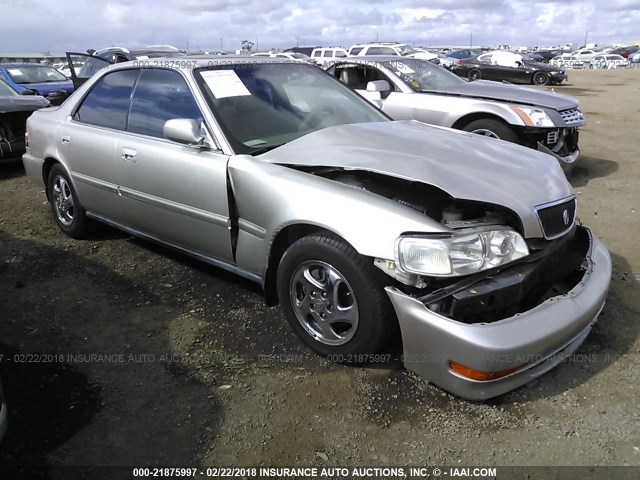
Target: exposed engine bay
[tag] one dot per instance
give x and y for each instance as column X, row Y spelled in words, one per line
column 553, row 267
column 426, row 199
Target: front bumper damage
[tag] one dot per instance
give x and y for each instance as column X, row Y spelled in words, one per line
column 561, row 143
column 532, row 341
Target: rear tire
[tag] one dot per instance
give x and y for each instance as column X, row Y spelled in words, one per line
column 333, row 299
column 67, row 211
column 474, row 74
column 492, row 128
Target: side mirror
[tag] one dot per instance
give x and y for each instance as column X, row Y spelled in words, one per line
column 183, row 130
column 27, row 92
column 378, row 86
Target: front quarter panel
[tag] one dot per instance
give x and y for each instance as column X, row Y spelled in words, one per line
column 448, row 110
column 270, row 197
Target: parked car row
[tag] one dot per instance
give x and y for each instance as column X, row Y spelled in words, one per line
column 466, row 246
column 15, row 108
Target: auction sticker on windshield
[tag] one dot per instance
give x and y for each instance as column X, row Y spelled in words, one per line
column 225, row 83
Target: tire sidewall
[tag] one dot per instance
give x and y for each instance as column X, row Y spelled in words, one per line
column 503, row 132
column 369, row 321
column 77, row 227
column 474, row 75
column 543, row 75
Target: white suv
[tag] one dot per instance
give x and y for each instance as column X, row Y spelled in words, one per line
column 325, row 55
column 400, row 49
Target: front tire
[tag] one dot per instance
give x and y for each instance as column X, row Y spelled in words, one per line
column 333, row 299
column 67, row 211
column 489, row 127
column 540, row 79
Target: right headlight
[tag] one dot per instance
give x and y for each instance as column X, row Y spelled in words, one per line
column 533, row 117
column 460, row 254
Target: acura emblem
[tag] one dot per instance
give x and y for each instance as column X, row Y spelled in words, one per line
column 565, row 217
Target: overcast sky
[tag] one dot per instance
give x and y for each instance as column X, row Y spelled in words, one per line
column 45, row 25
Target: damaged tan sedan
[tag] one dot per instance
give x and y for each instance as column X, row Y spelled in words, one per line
column 358, row 226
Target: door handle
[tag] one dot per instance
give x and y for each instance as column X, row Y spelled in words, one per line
column 129, row 155
column 65, row 139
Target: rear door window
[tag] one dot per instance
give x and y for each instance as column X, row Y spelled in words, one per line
column 107, row 104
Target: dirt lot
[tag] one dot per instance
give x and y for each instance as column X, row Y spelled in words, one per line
column 190, row 368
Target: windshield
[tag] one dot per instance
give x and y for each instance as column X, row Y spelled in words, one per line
column 299, row 55
column 406, row 50
column 422, row 75
column 264, row 105
column 6, row 90
column 34, row 74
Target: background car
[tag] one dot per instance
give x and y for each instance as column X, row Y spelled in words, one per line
column 609, row 62
column 635, row 58
column 304, row 50
column 41, row 79
column 506, row 66
column 465, row 53
column 325, row 55
column 15, row 108
column 408, row 89
column 96, row 60
column 626, row 52
column 585, row 55
column 566, row 60
column 391, row 48
column 547, row 55
column 299, row 57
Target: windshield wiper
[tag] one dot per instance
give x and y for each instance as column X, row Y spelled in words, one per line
column 261, row 150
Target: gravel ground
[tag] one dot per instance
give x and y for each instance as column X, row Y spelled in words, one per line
column 119, row 352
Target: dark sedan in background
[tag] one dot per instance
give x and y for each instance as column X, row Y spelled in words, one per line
column 14, row 111
column 484, row 67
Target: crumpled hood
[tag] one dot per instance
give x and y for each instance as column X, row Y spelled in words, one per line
column 512, row 93
column 22, row 103
column 465, row 165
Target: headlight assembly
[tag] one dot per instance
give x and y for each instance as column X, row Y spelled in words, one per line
column 460, row 254
column 533, row 117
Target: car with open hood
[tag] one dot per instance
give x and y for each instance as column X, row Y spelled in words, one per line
column 408, row 89
column 358, row 226
column 510, row 67
column 15, row 108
